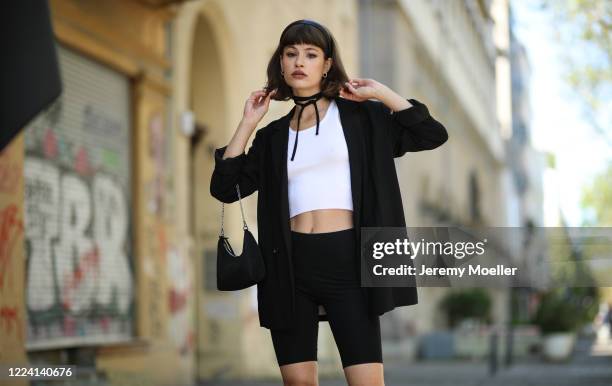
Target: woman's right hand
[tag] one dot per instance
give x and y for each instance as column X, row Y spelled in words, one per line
column 257, row 106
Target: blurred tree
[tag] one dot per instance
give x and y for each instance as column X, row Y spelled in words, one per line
column 584, row 27
column 597, row 200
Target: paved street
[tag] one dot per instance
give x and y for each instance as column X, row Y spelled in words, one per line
column 591, row 365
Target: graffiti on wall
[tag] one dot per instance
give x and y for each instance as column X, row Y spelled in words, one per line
column 79, row 274
column 78, row 268
column 180, row 326
column 11, row 249
column 11, row 227
column 9, row 321
column 163, row 256
column 152, row 265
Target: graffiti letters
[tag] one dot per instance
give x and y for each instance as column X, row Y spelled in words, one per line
column 77, row 234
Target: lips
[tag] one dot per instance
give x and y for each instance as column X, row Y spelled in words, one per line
column 298, row 74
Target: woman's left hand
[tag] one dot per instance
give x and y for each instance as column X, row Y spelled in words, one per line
column 359, row 90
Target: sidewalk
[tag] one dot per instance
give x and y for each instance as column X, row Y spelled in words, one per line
column 591, row 365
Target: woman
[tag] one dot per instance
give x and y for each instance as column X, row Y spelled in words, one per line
column 313, row 201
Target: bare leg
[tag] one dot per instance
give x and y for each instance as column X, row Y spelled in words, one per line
column 370, row 374
column 300, row 374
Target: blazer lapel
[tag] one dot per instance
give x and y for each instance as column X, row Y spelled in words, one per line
column 353, row 133
column 279, row 141
column 278, row 146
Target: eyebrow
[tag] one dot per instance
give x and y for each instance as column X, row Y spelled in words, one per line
column 307, row 48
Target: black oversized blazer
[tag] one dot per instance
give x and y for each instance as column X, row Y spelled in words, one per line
column 374, row 136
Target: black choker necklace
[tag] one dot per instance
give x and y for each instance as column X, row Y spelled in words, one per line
column 305, row 101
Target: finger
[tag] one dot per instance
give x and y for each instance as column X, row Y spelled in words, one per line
column 347, row 95
column 351, row 88
column 255, row 98
column 270, row 93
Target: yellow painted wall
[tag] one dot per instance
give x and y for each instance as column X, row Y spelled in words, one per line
column 130, row 38
column 12, row 256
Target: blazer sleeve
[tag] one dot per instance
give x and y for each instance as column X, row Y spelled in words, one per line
column 412, row 129
column 242, row 169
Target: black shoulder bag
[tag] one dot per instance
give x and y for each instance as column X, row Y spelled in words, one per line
column 236, row 272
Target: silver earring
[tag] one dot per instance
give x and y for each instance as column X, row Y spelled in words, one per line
column 282, row 72
column 324, row 75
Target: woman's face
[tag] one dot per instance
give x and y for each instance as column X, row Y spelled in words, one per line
column 309, row 60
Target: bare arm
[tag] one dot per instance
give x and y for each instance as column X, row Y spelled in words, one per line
column 237, row 144
column 234, row 167
column 254, row 110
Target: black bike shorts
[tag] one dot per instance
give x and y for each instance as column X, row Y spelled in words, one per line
column 326, row 273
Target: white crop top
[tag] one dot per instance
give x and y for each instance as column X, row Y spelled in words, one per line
column 319, row 176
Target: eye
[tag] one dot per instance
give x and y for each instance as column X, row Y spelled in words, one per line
column 291, row 54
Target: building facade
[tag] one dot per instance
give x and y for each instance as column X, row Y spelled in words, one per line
column 109, row 219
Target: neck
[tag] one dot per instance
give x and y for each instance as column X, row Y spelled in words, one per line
column 305, row 92
column 309, row 111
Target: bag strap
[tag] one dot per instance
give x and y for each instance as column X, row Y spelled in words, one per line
column 245, row 227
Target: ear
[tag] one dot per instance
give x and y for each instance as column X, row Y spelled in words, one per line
column 328, row 64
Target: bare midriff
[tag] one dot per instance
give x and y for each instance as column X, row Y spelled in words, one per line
column 322, row 220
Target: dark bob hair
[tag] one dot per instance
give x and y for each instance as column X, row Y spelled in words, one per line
column 306, row 34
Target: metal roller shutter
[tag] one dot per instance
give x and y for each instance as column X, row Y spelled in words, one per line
column 80, row 282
